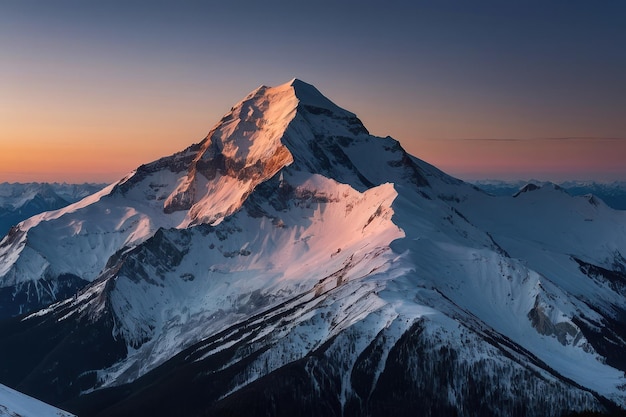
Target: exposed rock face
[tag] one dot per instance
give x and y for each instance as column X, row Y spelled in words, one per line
column 565, row 332
column 526, row 189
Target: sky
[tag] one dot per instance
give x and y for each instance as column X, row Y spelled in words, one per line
column 483, row 89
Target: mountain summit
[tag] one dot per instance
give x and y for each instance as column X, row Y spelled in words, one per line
column 292, row 263
column 272, row 128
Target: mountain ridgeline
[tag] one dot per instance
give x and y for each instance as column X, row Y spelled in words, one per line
column 19, row 201
column 292, row 264
column 611, row 193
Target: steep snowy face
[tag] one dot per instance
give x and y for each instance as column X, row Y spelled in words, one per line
column 243, row 150
column 333, row 142
column 185, row 285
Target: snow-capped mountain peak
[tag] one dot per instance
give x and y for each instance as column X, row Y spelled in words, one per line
column 291, row 125
column 291, row 257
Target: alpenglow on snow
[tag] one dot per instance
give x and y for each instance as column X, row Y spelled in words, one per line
column 290, row 262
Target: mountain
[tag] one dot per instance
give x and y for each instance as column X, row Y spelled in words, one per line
column 293, row 264
column 19, row 201
column 613, row 193
column 15, row 404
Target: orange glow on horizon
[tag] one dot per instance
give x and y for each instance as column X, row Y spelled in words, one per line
column 541, row 158
column 106, row 156
column 76, row 145
column 101, row 158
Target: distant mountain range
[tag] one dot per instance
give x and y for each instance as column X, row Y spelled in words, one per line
column 612, row 193
column 19, row 201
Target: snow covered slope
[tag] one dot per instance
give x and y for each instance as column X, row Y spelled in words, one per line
column 292, row 261
column 612, row 193
column 19, row 201
column 15, row 404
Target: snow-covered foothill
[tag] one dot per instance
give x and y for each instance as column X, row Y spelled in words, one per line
column 16, row 404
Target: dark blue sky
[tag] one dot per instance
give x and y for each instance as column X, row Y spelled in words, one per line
column 431, row 74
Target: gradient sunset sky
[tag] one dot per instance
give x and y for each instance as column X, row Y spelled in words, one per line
column 89, row 90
